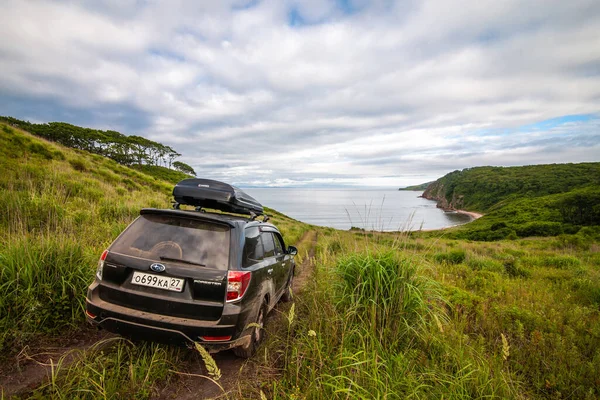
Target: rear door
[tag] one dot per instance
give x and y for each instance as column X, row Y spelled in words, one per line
column 269, row 245
column 275, row 258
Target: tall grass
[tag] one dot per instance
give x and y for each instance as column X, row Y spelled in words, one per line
column 373, row 325
column 387, row 293
column 41, row 285
column 117, row 370
column 56, row 216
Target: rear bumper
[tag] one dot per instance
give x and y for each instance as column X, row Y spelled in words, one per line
column 161, row 328
column 148, row 332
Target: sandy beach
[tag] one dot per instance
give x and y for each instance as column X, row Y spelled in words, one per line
column 472, row 214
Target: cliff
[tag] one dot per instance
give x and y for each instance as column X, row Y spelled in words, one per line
column 437, row 191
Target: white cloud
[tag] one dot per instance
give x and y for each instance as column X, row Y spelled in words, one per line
column 383, row 92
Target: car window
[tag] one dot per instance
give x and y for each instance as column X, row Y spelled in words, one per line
column 253, row 247
column 155, row 236
column 278, row 244
column 268, row 243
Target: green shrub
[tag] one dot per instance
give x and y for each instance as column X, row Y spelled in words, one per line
column 498, row 225
column 539, row 228
column 130, row 184
column 560, row 262
column 40, row 149
column 483, row 281
column 530, row 320
column 388, row 291
column 452, row 257
column 587, row 290
column 590, row 232
column 334, row 246
column 58, row 155
column 462, row 301
column 78, row 164
column 108, row 176
column 485, row 264
column 488, row 235
column 514, row 270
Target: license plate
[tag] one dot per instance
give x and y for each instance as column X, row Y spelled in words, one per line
column 156, row 281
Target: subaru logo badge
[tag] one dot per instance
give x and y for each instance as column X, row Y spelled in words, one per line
column 156, row 267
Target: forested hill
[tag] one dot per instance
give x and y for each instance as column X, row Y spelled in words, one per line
column 481, row 188
column 133, row 151
column 420, row 187
column 536, row 200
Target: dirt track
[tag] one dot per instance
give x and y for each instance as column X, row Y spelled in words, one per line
column 32, row 366
column 192, row 382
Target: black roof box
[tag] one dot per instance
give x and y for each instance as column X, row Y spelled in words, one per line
column 214, row 194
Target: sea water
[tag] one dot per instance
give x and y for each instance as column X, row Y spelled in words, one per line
column 381, row 209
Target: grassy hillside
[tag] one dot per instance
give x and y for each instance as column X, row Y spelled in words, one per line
column 59, row 209
column 391, row 316
column 162, row 173
column 382, row 315
column 538, row 200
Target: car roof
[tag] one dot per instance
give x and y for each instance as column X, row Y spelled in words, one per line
column 229, row 219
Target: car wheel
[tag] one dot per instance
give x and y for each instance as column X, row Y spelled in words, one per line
column 257, row 335
column 288, row 294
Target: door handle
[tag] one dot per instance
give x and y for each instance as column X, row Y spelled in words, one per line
column 270, row 270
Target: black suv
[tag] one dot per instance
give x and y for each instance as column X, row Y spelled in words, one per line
column 199, row 276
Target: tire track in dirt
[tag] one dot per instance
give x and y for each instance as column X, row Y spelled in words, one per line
column 33, row 364
column 193, row 382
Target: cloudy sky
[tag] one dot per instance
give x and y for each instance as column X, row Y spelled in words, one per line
column 316, row 92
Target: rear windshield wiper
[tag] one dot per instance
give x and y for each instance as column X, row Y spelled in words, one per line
column 181, row 261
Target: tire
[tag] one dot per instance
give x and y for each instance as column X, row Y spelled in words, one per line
column 288, row 294
column 257, row 334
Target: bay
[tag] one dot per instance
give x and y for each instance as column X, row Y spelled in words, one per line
column 381, row 209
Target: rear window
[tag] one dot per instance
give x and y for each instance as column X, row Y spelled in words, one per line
column 253, row 247
column 268, row 243
column 170, row 237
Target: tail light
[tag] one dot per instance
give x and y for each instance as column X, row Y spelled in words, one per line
column 215, row 338
column 101, row 264
column 237, row 283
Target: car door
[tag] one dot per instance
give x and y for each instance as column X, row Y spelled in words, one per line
column 283, row 263
column 270, row 259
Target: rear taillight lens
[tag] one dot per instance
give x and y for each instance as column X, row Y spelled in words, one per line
column 101, row 264
column 237, row 283
column 215, row 338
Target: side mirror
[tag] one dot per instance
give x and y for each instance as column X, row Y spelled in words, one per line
column 292, row 250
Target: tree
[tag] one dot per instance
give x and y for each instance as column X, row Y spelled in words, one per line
column 183, row 167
